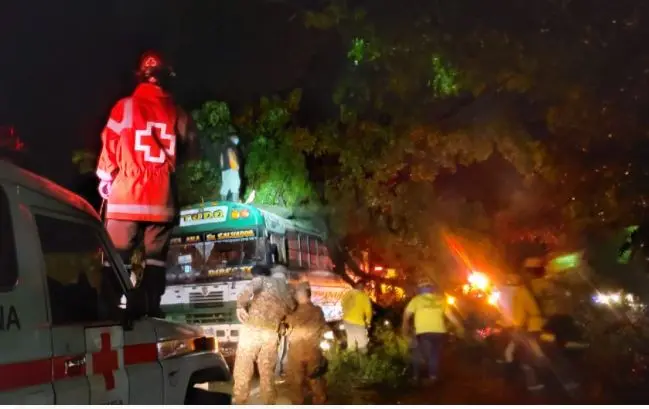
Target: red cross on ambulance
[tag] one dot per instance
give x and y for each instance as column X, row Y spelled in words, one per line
column 105, row 364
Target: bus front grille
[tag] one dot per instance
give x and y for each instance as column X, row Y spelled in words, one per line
column 213, row 299
column 206, row 319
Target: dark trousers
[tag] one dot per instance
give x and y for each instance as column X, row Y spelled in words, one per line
column 427, row 352
column 126, row 236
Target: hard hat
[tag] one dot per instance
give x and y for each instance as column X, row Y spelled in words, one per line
column 425, row 286
column 153, row 69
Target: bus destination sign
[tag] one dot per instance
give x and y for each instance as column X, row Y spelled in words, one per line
column 237, row 235
column 211, row 214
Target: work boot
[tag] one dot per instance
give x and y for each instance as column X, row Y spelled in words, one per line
column 153, row 286
column 153, row 306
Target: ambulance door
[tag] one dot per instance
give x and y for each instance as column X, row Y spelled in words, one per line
column 145, row 377
column 26, row 361
column 73, row 249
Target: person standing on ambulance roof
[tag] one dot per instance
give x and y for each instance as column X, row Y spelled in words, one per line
column 147, row 135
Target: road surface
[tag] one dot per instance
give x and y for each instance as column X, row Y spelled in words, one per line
column 255, row 395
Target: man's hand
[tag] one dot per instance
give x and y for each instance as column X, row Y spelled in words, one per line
column 242, row 314
column 405, row 331
column 105, row 186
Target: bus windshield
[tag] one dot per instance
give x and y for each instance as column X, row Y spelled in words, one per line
column 194, row 262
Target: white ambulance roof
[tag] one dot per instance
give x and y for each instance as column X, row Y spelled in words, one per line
column 21, row 177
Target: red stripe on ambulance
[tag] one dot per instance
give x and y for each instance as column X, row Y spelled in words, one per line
column 24, row 374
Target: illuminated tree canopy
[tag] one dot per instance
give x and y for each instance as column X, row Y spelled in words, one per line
column 433, row 91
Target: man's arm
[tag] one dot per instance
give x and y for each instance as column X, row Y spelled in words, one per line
column 120, row 118
column 367, row 311
column 408, row 313
column 457, row 324
column 254, row 286
column 289, row 298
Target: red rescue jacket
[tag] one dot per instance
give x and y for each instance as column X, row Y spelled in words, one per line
column 133, row 157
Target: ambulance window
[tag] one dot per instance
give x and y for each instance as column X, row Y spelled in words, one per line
column 8, row 262
column 73, row 261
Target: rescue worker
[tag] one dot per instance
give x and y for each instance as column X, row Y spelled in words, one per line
column 147, row 135
column 230, row 169
column 305, row 361
column 261, row 307
column 526, row 326
column 557, row 328
column 427, row 310
column 357, row 317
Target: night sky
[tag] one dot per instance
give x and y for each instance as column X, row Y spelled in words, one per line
column 65, row 63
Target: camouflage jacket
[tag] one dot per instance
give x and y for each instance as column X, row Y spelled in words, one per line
column 306, row 325
column 268, row 300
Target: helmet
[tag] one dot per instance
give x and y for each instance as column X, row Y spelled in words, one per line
column 153, row 69
column 425, row 286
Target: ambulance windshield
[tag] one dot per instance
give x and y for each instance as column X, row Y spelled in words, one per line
column 212, row 261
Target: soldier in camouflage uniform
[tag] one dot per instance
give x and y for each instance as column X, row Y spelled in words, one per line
column 307, row 325
column 261, row 307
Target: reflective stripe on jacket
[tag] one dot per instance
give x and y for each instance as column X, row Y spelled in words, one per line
column 139, row 154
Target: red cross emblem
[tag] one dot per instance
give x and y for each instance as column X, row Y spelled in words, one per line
column 105, row 361
column 145, row 142
column 151, row 62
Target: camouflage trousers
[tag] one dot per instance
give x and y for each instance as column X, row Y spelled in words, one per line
column 302, row 361
column 256, row 345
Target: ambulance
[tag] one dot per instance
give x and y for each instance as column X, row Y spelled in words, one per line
column 59, row 346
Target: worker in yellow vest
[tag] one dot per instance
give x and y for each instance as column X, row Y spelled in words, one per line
column 428, row 311
column 527, row 325
column 357, row 317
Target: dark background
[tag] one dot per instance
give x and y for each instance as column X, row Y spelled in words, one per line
column 65, row 63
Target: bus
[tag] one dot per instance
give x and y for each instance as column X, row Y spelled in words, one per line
column 212, row 252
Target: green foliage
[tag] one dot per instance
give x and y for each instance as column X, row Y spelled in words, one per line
column 384, row 368
column 436, row 87
column 200, row 180
column 443, row 78
column 84, row 160
column 274, row 162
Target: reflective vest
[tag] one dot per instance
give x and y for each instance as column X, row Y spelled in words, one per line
column 229, row 158
column 428, row 311
column 357, row 308
column 140, row 147
column 526, row 312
